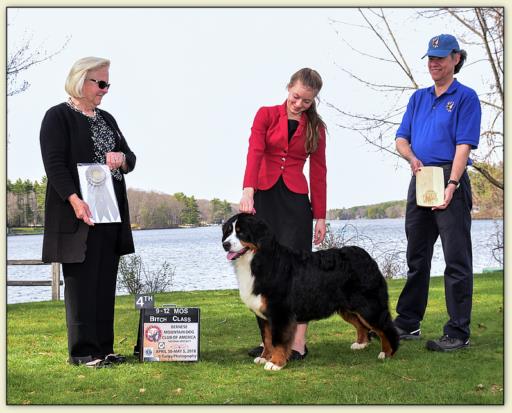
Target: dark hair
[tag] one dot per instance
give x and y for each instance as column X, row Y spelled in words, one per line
column 463, row 56
column 311, row 79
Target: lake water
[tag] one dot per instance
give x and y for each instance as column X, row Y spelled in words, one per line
column 200, row 262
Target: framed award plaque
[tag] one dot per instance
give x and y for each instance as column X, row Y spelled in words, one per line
column 170, row 334
column 429, row 186
column 98, row 191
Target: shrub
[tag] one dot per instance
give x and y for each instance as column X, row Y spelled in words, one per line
column 135, row 278
column 391, row 260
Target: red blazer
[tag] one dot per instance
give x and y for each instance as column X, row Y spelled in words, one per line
column 270, row 156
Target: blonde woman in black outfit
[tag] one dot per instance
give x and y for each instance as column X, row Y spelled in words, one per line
column 75, row 132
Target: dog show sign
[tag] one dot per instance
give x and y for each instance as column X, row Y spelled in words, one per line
column 170, row 334
column 143, row 301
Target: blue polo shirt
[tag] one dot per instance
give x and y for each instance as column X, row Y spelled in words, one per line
column 435, row 125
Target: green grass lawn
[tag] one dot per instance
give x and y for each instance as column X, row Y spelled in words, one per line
column 26, row 230
column 37, row 372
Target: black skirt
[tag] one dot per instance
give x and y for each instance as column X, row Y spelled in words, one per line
column 288, row 215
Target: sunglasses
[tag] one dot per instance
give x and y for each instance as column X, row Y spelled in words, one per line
column 101, row 83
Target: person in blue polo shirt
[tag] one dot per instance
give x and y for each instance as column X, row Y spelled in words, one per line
column 440, row 128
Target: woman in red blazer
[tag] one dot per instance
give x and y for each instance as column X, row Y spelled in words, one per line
column 275, row 188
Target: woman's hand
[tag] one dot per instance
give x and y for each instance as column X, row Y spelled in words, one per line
column 81, row 209
column 416, row 165
column 115, row 160
column 320, row 230
column 448, row 196
column 247, row 201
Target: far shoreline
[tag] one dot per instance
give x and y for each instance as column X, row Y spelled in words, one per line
column 16, row 231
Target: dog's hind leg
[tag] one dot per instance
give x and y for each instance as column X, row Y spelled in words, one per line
column 362, row 330
column 389, row 337
column 386, row 346
column 382, row 324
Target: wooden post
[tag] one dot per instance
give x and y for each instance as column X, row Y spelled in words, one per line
column 55, row 281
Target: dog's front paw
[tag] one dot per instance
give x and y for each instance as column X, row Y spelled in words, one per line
column 260, row 360
column 358, row 346
column 271, row 366
column 381, row 355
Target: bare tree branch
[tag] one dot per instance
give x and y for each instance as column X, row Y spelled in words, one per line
column 482, row 169
column 493, row 133
column 466, row 24
column 382, row 59
column 483, row 28
column 23, row 58
column 376, row 86
column 380, row 37
column 405, row 66
column 484, row 102
column 373, row 118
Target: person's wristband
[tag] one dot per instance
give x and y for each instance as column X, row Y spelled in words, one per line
column 454, row 182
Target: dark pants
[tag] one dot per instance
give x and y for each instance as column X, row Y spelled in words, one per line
column 422, row 228
column 89, row 294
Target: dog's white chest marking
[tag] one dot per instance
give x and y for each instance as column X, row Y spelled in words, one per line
column 246, row 283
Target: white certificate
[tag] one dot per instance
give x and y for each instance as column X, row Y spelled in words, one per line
column 429, row 186
column 98, row 191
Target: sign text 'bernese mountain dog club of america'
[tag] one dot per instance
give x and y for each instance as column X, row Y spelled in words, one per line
column 170, row 334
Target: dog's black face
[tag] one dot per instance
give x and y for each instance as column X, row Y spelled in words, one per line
column 241, row 233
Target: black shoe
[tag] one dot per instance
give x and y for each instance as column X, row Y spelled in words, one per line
column 411, row 335
column 89, row 361
column 115, row 358
column 98, row 364
column 447, row 343
column 76, row 361
column 256, row 351
column 296, row 356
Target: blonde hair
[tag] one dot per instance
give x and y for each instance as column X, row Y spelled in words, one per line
column 78, row 73
column 311, row 79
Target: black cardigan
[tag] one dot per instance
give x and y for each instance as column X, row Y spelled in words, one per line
column 65, row 139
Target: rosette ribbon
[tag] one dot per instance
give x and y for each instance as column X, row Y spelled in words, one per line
column 99, row 196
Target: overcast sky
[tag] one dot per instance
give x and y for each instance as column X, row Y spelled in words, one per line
column 187, row 82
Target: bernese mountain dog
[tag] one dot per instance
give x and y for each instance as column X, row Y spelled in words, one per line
column 284, row 287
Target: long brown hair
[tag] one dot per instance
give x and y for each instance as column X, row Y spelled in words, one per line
column 311, row 79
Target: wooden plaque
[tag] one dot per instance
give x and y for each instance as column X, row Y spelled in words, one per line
column 429, row 186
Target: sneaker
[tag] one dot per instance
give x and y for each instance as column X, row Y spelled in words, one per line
column 447, row 343
column 411, row 335
column 98, row 364
column 115, row 358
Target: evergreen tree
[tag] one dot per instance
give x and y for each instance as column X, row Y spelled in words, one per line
column 190, row 213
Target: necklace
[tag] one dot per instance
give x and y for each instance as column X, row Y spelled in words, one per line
column 73, row 106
